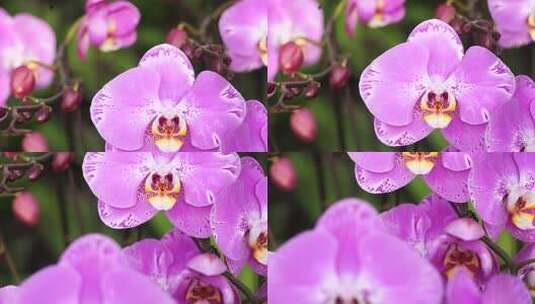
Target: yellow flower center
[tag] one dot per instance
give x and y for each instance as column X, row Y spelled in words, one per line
column 521, row 209
column 168, row 132
column 262, row 48
column 419, row 163
column 378, row 20
column 162, row 190
column 531, row 25
column 201, row 293
column 258, row 241
column 460, row 257
column 438, row 108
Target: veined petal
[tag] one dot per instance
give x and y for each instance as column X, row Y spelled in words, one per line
column 121, row 117
column 123, row 218
column 389, row 181
column 193, row 221
column 377, row 162
column 464, row 136
column 251, row 135
column 123, row 16
column 505, row 288
column 52, row 285
column 212, row 108
column 394, row 136
column 394, row 82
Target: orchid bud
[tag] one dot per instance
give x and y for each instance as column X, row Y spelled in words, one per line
column 43, row 114
column 71, row 100
column 271, row 89
column 312, row 90
column 283, row 174
column 22, row 81
column 445, row 12
column 26, row 208
column 34, row 142
column 291, row 57
column 3, row 113
column 177, row 37
column 34, row 172
column 303, row 125
column 62, row 161
column 339, row 77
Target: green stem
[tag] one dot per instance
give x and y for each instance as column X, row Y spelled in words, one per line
column 501, row 253
column 9, row 260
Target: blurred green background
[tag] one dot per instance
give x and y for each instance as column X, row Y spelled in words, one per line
column 75, row 131
column 323, row 179
column 342, row 118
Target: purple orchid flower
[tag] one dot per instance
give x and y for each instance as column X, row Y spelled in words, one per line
column 176, row 264
column 446, row 173
column 9, row 294
column 348, row 258
column 501, row 288
column 299, row 21
column 450, row 243
column 171, row 110
column 515, row 21
column 527, row 271
column 239, row 219
column 25, row 40
column 512, row 126
column 92, row 270
column 133, row 187
column 429, row 83
column 373, row 13
column 502, row 187
column 107, row 25
column 243, row 28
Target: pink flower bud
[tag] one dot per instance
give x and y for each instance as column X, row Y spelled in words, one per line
column 177, row 37
column 34, row 142
column 26, row 208
column 339, row 76
column 62, row 161
column 303, row 125
column 22, row 81
column 291, row 57
column 71, row 100
column 445, row 12
column 282, row 173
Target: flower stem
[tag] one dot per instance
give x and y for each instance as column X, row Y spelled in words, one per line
column 9, row 260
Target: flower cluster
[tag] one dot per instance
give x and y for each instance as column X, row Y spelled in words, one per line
column 441, row 250
column 160, row 106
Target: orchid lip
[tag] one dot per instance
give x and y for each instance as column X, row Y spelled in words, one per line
column 199, row 292
column 531, row 25
column 168, row 132
column 258, row 241
column 521, row 208
column 419, row 163
column 438, row 108
column 262, row 48
column 378, row 20
column 162, row 190
column 457, row 256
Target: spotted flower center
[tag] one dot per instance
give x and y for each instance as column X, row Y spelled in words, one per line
column 201, row 293
column 457, row 256
column 419, row 163
column 258, row 241
column 438, row 108
column 529, row 279
column 168, row 132
column 262, row 48
column 531, row 24
column 340, row 300
column 378, row 17
column 521, row 209
column 162, row 190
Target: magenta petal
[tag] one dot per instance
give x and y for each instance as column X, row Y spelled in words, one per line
column 299, row 266
column 115, row 177
column 9, row 294
column 351, row 16
column 410, row 223
column 487, row 183
column 40, row 41
column 505, row 288
column 384, row 182
column 52, row 285
column 82, row 40
column 214, row 108
column 377, row 162
column 465, row 137
column 207, row 264
column 233, row 214
column 443, row 44
column 394, row 136
column 399, row 270
column 251, row 135
column 462, row 289
column 120, row 285
column 394, row 82
column 456, row 161
column 124, row 16
column 451, row 185
column 122, row 118
column 122, row 218
column 193, row 221
column 175, row 70
column 205, row 174
column 4, row 87
column 510, row 17
column 466, row 229
column 482, row 83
